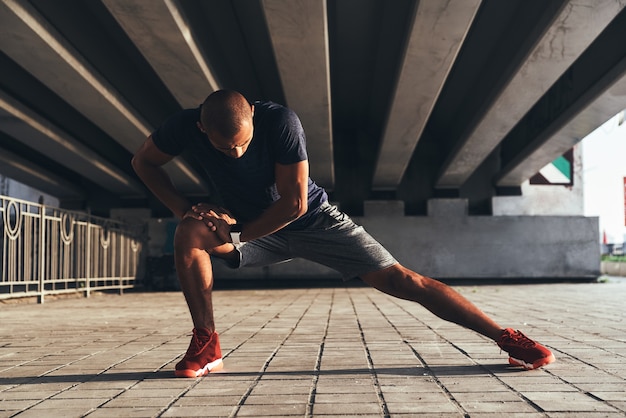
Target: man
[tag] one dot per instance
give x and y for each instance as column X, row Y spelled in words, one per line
column 272, row 211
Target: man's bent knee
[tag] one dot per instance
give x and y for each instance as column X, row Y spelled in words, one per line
column 192, row 233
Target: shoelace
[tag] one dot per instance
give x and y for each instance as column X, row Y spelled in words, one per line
column 518, row 338
column 196, row 344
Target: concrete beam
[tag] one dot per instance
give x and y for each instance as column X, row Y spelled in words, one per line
column 17, row 168
column 607, row 105
column 574, row 29
column 439, row 29
column 28, row 127
column 161, row 32
column 299, row 33
column 32, row 42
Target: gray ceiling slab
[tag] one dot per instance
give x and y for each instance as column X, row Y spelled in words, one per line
column 602, row 109
column 439, row 29
column 28, row 39
column 574, row 29
column 399, row 99
column 159, row 29
column 25, row 125
column 20, row 169
column 299, row 33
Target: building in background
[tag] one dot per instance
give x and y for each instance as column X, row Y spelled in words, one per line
column 589, row 180
column 604, row 175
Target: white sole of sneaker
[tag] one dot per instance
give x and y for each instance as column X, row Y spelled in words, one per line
column 213, row 366
column 531, row 366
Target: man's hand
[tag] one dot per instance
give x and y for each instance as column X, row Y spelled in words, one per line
column 216, row 218
column 199, row 210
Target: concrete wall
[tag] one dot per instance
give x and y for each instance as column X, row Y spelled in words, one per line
column 449, row 244
column 613, row 268
column 537, row 200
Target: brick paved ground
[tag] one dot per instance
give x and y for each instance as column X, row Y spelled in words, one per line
column 346, row 351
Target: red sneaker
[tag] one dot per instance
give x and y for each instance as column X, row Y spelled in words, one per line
column 523, row 351
column 203, row 355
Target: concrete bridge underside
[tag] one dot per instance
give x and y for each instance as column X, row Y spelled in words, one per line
column 404, row 100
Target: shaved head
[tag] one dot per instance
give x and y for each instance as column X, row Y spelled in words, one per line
column 225, row 112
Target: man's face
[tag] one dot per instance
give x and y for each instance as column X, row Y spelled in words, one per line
column 234, row 147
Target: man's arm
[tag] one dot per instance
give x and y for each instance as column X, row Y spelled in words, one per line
column 147, row 163
column 292, row 186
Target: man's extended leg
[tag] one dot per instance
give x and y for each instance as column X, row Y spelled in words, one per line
column 435, row 296
column 448, row 304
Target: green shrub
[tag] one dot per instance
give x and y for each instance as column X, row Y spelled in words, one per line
column 621, row 258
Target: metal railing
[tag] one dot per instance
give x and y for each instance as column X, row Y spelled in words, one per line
column 49, row 251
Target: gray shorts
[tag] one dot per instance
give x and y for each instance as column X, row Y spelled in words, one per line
column 333, row 240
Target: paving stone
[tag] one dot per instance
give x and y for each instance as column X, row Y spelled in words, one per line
column 510, row 414
column 272, row 410
column 503, row 408
column 202, row 401
column 64, row 412
column 346, row 408
column 137, row 412
column 424, row 408
column 586, row 414
column 336, row 398
column 567, row 401
column 277, row 399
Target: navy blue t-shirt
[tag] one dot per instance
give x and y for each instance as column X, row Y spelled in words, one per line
column 246, row 185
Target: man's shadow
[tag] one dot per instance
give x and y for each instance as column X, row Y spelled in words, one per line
column 432, row 371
